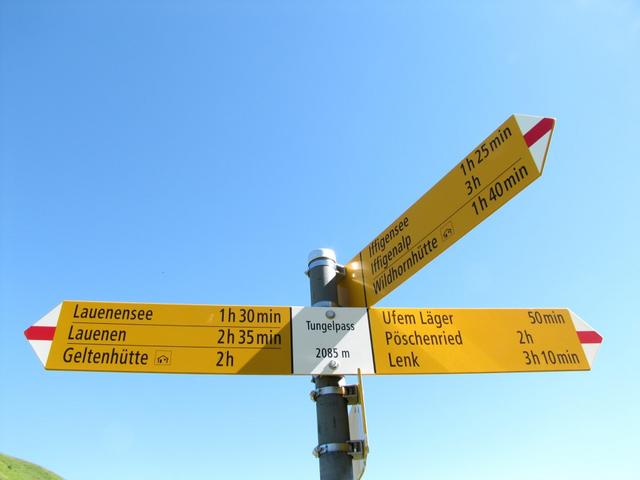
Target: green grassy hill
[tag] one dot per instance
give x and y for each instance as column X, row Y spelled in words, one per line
column 15, row 469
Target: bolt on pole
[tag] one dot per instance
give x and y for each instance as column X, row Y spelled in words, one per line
column 331, row 409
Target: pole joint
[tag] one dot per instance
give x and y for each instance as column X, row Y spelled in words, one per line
column 354, row 448
column 349, row 392
column 340, row 270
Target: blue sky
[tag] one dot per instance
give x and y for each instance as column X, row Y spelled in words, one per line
column 196, row 151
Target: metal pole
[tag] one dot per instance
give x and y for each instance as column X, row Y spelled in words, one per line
column 331, row 409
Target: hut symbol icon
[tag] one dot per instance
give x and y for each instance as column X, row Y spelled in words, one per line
column 163, row 357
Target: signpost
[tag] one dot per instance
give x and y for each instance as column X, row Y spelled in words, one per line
column 411, row 340
column 162, row 338
column 223, row 339
column 502, row 165
column 340, row 334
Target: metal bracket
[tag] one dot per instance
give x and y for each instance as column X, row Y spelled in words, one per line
column 341, row 271
column 349, row 392
column 359, row 449
column 356, row 448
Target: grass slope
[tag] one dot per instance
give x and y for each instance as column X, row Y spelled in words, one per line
column 15, row 469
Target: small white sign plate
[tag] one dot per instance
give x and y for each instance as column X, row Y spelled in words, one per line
column 331, row 341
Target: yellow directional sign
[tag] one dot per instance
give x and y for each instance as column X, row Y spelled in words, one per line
column 489, row 176
column 409, row 340
column 161, row 338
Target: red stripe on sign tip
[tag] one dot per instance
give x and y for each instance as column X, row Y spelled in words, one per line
column 589, row 336
column 40, row 333
column 538, row 131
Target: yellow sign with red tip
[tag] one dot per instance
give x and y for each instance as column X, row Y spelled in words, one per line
column 508, row 160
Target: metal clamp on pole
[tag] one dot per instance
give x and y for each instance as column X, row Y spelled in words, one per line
column 340, row 270
column 349, row 392
column 355, row 448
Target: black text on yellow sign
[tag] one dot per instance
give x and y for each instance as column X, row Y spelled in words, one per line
column 163, row 338
column 407, row 340
column 492, row 174
column 221, row 339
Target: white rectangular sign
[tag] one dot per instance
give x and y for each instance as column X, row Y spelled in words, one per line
column 331, row 341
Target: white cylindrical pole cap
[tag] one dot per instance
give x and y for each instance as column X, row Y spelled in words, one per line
column 319, row 253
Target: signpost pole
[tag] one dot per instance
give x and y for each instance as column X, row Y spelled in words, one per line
column 331, row 408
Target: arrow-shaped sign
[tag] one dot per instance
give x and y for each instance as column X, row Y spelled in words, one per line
column 502, row 165
column 410, row 340
column 163, row 338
